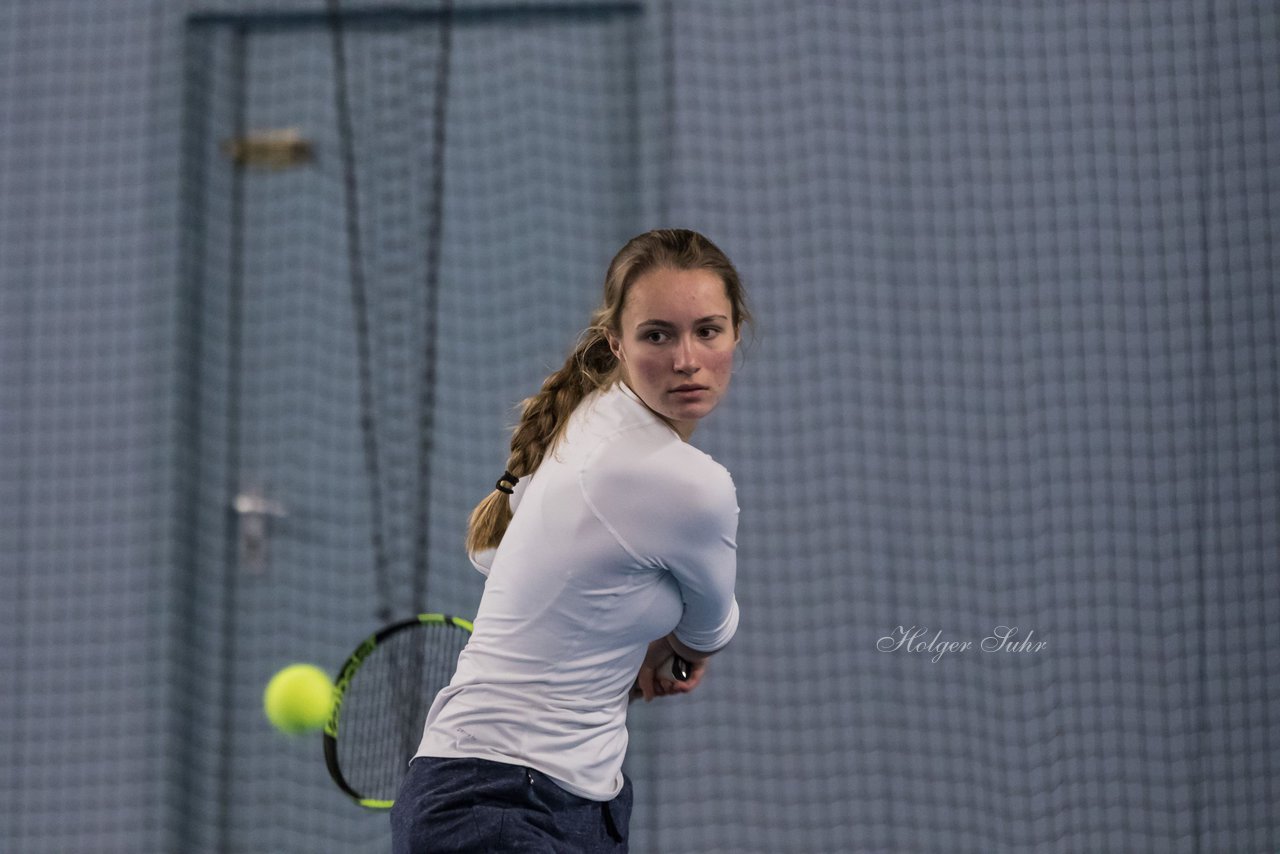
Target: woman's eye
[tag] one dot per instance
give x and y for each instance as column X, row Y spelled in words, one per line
column 655, row 337
column 709, row 331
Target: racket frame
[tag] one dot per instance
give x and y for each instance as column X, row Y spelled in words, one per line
column 347, row 673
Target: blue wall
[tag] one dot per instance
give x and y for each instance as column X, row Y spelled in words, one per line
column 1014, row 267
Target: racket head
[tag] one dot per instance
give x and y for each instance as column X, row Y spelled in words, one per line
column 381, row 697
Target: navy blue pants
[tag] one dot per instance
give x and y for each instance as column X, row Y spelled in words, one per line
column 457, row 806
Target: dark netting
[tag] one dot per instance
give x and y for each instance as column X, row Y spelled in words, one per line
column 407, row 282
column 1014, row 267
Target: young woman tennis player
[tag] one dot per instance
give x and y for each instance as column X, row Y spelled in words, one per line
column 607, row 530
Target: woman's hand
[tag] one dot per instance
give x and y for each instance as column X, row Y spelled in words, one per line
column 651, row 683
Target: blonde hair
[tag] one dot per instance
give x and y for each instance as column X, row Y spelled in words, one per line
column 592, row 365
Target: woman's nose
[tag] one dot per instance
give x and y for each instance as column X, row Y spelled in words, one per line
column 686, row 360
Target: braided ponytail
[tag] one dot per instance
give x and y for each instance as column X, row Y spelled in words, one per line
column 543, row 417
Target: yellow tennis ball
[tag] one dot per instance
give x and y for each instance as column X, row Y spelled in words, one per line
column 298, row 699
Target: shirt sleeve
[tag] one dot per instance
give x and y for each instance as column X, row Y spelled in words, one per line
column 675, row 508
column 482, row 560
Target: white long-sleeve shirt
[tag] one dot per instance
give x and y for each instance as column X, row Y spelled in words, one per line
column 624, row 533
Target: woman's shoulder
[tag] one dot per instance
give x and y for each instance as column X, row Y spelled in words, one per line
column 660, row 467
column 694, row 460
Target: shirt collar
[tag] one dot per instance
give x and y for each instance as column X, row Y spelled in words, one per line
column 628, row 392
column 626, row 389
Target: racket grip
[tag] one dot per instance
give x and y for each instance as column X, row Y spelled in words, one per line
column 677, row 668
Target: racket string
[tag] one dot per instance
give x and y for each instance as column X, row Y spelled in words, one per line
column 386, row 703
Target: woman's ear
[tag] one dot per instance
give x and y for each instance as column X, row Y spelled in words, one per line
column 614, row 344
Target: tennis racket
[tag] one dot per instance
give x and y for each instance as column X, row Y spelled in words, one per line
column 381, row 698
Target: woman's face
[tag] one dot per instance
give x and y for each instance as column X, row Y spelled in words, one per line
column 676, row 343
